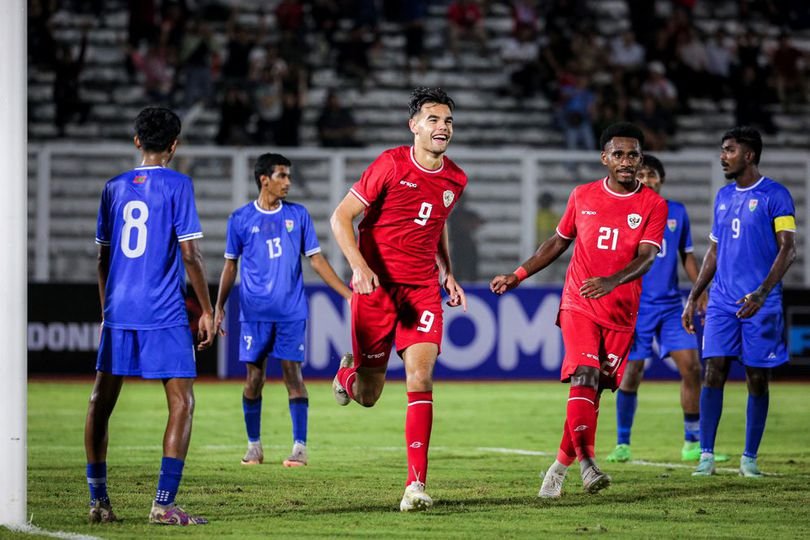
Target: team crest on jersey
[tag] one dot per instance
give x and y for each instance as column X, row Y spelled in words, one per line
column 672, row 224
column 633, row 220
column 140, row 179
column 289, row 224
column 448, row 198
column 752, row 204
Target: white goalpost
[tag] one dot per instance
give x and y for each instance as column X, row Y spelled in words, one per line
column 13, row 271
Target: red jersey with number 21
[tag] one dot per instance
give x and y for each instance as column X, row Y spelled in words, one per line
column 406, row 209
column 608, row 228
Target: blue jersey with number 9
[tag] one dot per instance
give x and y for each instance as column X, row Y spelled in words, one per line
column 144, row 215
column 745, row 224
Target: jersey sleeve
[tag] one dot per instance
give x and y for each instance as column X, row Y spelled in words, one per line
column 654, row 230
column 714, row 234
column 567, row 227
column 685, row 243
column 782, row 210
column 374, row 179
column 186, row 221
column 233, row 242
column 103, row 225
column 310, row 245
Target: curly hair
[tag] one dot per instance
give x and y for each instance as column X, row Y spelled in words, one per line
column 157, row 128
column 621, row 129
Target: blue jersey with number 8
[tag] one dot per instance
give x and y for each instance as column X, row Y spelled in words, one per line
column 144, row 215
column 745, row 224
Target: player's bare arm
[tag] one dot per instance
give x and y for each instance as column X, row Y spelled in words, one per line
column 548, row 252
column 448, row 280
column 753, row 301
column 597, row 287
column 705, row 276
column 328, row 275
column 226, row 281
column 690, row 266
column 103, row 271
column 195, row 268
column 364, row 280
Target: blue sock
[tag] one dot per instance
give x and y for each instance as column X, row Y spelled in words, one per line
column 756, row 414
column 711, row 408
column 97, row 482
column 626, row 403
column 691, row 427
column 299, row 408
column 171, row 471
column 253, row 418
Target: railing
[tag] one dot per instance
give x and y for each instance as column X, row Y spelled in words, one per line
column 65, row 181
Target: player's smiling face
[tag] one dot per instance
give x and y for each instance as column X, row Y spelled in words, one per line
column 432, row 127
column 650, row 178
column 733, row 158
column 622, row 157
column 277, row 185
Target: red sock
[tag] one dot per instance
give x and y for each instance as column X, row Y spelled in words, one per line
column 346, row 377
column 582, row 420
column 418, row 423
column 566, row 454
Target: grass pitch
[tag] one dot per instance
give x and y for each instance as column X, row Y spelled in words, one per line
column 490, row 442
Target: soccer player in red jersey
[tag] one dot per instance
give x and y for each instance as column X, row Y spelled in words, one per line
column 398, row 262
column 618, row 224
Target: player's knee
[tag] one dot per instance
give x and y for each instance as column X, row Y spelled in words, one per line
column 632, row 376
column 585, row 376
column 255, row 384
column 757, row 380
column 716, row 373
column 367, row 398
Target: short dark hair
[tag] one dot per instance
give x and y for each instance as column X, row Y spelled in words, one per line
column 748, row 136
column 621, row 129
column 423, row 95
column 157, row 128
column 651, row 162
column 266, row 164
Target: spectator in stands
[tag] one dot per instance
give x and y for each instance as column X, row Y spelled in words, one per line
column 690, row 75
column 555, row 54
column 524, row 15
column 659, row 87
column 325, row 15
column 174, row 20
column 413, row 14
column 156, row 72
column 588, row 49
column 266, row 56
column 290, row 17
column 462, row 227
column 643, row 22
column 336, row 125
column 66, row 97
column 267, row 95
column 293, row 100
column 752, row 98
column 719, row 56
column 234, row 116
column 749, row 49
column 626, row 53
column 353, row 59
column 575, row 113
column 195, row 63
column 567, row 14
column 237, row 64
column 41, row 45
column 520, row 55
column 466, row 21
column 142, row 22
column 788, row 62
column 654, row 122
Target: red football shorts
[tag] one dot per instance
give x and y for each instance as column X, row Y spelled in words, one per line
column 588, row 344
column 394, row 314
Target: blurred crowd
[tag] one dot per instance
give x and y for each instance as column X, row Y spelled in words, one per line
column 255, row 63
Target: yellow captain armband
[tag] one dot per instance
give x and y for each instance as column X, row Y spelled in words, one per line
column 784, row 223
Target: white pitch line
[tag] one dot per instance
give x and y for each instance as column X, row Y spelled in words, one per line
column 33, row 529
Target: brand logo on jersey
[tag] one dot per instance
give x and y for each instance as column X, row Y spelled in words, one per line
column 723, row 206
column 672, row 224
column 409, row 184
column 752, row 204
column 448, row 198
column 633, row 220
column 254, row 230
column 589, row 212
column 140, row 179
column 289, row 224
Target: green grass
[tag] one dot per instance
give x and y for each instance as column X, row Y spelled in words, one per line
column 356, row 474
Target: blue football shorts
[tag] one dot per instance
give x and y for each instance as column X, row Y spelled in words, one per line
column 281, row 340
column 165, row 353
column 661, row 323
column 757, row 342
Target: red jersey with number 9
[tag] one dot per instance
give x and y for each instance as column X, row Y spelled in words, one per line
column 406, row 209
column 608, row 228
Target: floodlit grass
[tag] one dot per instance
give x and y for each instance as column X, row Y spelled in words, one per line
column 481, row 487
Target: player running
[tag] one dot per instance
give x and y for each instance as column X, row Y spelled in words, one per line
column 659, row 318
column 270, row 235
column 618, row 224
column 752, row 246
column 147, row 231
column 402, row 256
